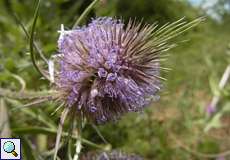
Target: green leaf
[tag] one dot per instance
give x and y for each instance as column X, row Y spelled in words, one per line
column 208, row 146
column 226, row 107
column 214, row 86
column 27, row 148
column 214, row 123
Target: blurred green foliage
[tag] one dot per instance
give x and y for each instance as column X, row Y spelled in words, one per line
column 164, row 131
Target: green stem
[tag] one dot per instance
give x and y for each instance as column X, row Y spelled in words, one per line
column 28, row 36
column 41, row 130
column 32, row 41
column 79, row 140
column 85, row 13
column 25, row 94
column 42, row 142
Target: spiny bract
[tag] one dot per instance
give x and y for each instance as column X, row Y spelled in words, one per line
column 108, row 69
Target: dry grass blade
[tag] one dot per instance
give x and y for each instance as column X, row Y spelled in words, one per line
column 21, row 81
column 4, row 122
column 59, row 131
column 34, row 103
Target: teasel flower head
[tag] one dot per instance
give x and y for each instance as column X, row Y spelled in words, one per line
column 113, row 155
column 108, row 68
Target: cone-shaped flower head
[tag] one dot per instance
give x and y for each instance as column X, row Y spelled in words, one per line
column 113, row 155
column 108, row 69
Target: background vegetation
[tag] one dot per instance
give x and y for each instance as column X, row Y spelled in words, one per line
column 177, row 127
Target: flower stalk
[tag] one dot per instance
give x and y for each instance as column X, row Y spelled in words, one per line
column 85, row 13
column 211, row 108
